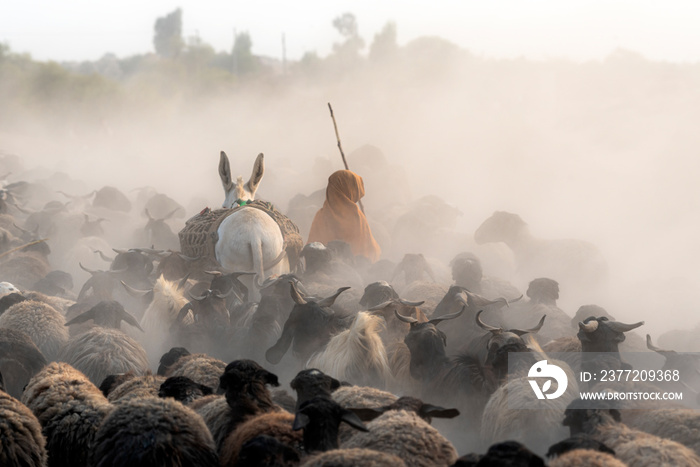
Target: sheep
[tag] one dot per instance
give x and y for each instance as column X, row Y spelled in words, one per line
column 147, row 385
column 151, row 431
column 585, row 448
column 514, row 411
column 183, row 389
column 352, row 458
column 356, row 354
column 586, row 458
column 60, row 304
column 409, row 404
column 43, row 324
column 70, row 409
column 507, row 453
column 24, row 268
column 362, row 397
column 677, row 424
column 111, row 382
column 631, row 446
column 320, row 419
column 576, row 264
column 311, row 383
column 6, row 301
column 101, row 352
column 467, row 272
column 246, row 396
column 277, row 425
column 20, row 359
column 266, row 451
column 7, row 288
column 21, row 440
column 407, row 436
column 200, row 368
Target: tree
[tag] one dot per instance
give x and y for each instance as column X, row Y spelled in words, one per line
column 243, row 59
column 346, row 24
column 167, row 39
column 384, row 47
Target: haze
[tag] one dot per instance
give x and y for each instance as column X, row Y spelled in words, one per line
column 591, row 134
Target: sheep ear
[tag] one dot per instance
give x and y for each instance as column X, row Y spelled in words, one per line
column 270, row 378
column 335, row 384
column 368, row 414
column 351, row 419
column 437, row 411
column 81, row 318
column 301, row 420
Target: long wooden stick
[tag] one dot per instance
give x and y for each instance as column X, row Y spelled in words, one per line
column 22, row 247
column 340, row 148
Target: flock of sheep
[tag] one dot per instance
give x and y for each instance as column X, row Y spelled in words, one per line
column 143, row 356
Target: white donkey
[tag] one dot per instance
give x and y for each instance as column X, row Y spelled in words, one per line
column 249, row 239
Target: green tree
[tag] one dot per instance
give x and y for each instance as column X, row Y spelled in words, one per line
column 167, row 39
column 384, row 47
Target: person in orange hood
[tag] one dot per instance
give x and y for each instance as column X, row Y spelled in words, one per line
column 341, row 219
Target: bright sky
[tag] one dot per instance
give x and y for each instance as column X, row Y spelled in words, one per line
column 540, row 29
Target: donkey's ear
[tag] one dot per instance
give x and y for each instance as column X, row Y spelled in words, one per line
column 257, row 175
column 225, row 172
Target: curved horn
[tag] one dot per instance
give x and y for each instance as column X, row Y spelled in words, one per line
column 407, row 303
column 214, row 273
column 200, row 298
column 119, row 252
column 296, row 296
column 103, row 256
column 86, row 269
column 405, row 319
column 622, row 327
column 129, row 318
column 521, row 332
column 118, row 271
column 439, row 319
column 183, row 282
column 135, row 292
column 222, row 296
column 329, row 301
column 67, row 195
column 589, row 327
column 514, row 300
column 651, row 346
column 382, row 305
column 485, row 326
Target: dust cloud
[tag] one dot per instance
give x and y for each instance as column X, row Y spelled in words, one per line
column 603, row 151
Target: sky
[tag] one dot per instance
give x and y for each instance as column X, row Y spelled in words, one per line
column 577, row 30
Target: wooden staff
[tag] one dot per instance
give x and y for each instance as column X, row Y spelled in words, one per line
column 23, row 246
column 340, row 148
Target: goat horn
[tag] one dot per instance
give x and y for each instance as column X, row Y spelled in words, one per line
column 514, row 300
column 650, row 346
column 405, row 319
column 520, row 332
column 225, row 294
column 135, row 292
column 407, row 303
column 214, row 273
column 118, row 271
column 622, row 327
column 119, row 252
column 483, row 325
column 329, row 301
column 382, row 305
column 183, row 282
column 427, row 268
column 103, row 256
column 439, row 319
column 201, row 297
column 86, row 269
column 589, row 327
column 296, row 296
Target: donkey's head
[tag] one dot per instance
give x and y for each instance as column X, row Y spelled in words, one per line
column 239, row 192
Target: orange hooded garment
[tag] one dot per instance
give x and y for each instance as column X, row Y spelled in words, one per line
column 341, row 219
